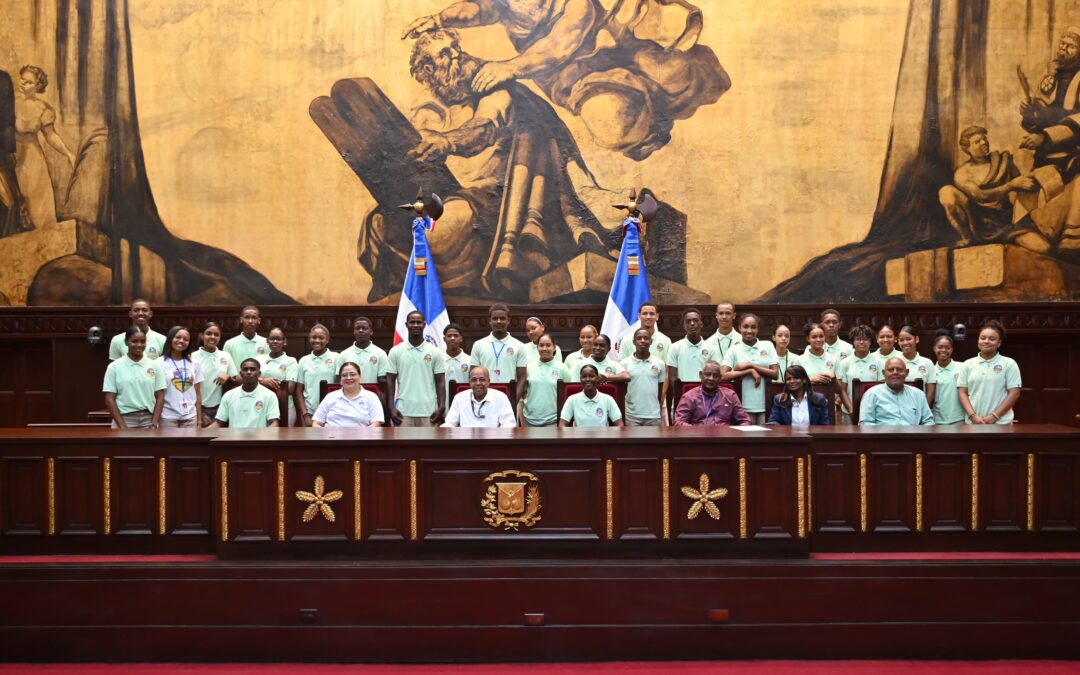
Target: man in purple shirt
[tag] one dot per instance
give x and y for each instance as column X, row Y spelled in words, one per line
column 710, row 404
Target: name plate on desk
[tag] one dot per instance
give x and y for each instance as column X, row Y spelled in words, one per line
column 417, row 491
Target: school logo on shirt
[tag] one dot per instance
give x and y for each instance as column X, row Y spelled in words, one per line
column 872, row 367
column 152, row 352
column 150, row 372
column 329, row 362
column 464, row 367
column 258, row 406
column 763, row 353
column 260, row 350
column 828, row 364
column 427, row 358
column 956, row 377
column 922, row 370
column 223, row 361
column 660, row 347
column 373, row 360
column 704, row 353
column 599, row 412
column 281, row 368
column 608, row 370
column 509, row 351
column 655, row 369
column 997, row 367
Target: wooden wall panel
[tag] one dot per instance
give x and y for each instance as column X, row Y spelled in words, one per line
column 771, row 495
column 723, row 472
column 1003, row 484
column 189, row 508
column 1057, row 502
column 385, row 499
column 302, row 475
column 836, row 499
column 946, row 492
column 252, row 500
column 638, row 503
column 79, row 500
column 135, row 506
column 890, row 492
column 24, row 498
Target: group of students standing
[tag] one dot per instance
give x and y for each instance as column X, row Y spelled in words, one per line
column 163, row 380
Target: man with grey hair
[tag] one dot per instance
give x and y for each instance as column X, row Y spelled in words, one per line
column 480, row 406
column 710, row 405
column 895, row 403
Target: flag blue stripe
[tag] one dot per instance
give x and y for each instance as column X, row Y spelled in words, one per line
column 423, row 291
column 629, row 292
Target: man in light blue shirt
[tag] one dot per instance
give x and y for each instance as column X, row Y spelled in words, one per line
column 895, row 403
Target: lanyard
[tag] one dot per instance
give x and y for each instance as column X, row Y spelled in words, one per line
column 181, row 371
column 497, row 354
column 783, row 368
column 712, row 402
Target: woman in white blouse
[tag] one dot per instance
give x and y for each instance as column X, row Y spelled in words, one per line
column 350, row 406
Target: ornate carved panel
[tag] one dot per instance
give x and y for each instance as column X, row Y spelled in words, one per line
column 726, row 520
column 314, row 509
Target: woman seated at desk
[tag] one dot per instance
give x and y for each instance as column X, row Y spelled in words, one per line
column 798, row 405
column 350, row 406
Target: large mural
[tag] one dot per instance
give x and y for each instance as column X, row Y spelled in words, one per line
column 234, row 151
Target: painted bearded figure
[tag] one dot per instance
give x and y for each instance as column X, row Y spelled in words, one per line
column 627, row 68
column 516, row 213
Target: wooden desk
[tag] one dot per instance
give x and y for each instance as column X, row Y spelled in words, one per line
column 1008, row 487
column 575, row 491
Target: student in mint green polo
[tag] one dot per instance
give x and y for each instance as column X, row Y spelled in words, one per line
column 140, row 314
column 834, row 344
column 946, row 409
column 415, row 372
column 819, row 364
column 919, row 367
column 590, row 407
column 248, row 344
column 754, row 362
column 725, row 334
column 608, row 368
column 455, row 359
column 249, row 406
column 369, row 356
column 313, row 369
column 687, row 356
column 861, row 365
column 134, row 386
column 647, row 375
column 575, row 360
column 502, row 354
column 534, row 328
column 648, row 316
column 542, row 378
column 278, row 369
column 217, row 368
column 989, row 383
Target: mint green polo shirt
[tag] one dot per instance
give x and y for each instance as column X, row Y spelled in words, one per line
column 457, row 369
column 135, row 383
column 608, row 367
column 372, row 361
column 841, row 349
column 248, row 410
column 541, row 393
column 721, row 344
column 947, row 408
column 311, row 370
column 502, row 358
column 240, row 348
column 761, row 353
column 155, row 345
column 688, row 358
column 988, row 382
column 416, row 368
column 646, row 375
column 865, row 369
column 659, row 348
column 590, row 412
column 213, row 364
column 784, row 361
column 816, row 365
column 282, row 368
column 920, row 368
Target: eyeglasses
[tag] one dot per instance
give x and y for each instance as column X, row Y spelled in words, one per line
column 478, row 410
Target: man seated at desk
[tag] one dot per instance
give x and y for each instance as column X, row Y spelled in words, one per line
column 894, row 403
column 249, row 406
column 480, row 406
column 710, row 404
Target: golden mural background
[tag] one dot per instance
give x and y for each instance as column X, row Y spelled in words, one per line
column 785, row 166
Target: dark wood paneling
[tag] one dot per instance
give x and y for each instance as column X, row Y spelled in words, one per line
column 24, row 499
column 637, row 501
column 252, row 500
column 26, row 386
column 891, row 491
column 385, row 498
column 723, row 472
column 772, row 498
column 835, row 493
column 947, row 492
column 301, row 475
column 79, row 500
column 1003, row 482
column 134, row 495
column 188, row 496
column 1057, row 499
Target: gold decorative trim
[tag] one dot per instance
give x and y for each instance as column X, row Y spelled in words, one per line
column 704, row 498
column 918, row 492
column 108, row 495
column 1031, row 492
column 609, row 469
column 224, row 501
column 809, row 493
column 281, row 501
column 413, row 531
column 863, row 516
column 510, row 505
column 974, row 492
column 801, row 487
column 50, row 490
column 665, row 479
column 161, row 495
column 356, row 499
column 742, row 498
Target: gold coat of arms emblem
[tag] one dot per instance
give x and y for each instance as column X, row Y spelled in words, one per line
column 513, row 502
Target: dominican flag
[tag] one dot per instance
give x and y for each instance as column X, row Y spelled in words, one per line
column 629, row 289
column 422, row 291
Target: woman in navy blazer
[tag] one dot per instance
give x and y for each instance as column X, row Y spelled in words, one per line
column 797, row 389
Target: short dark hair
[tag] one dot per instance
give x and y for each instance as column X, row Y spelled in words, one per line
column 595, row 370
column 861, row 331
column 690, row 310
column 498, row 307
column 452, row 326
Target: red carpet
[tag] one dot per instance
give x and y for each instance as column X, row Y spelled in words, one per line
column 724, row 667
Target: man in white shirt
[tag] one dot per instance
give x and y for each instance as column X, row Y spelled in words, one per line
column 481, row 406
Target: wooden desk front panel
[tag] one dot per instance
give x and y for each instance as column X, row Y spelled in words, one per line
column 387, row 491
column 957, row 488
column 95, row 491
